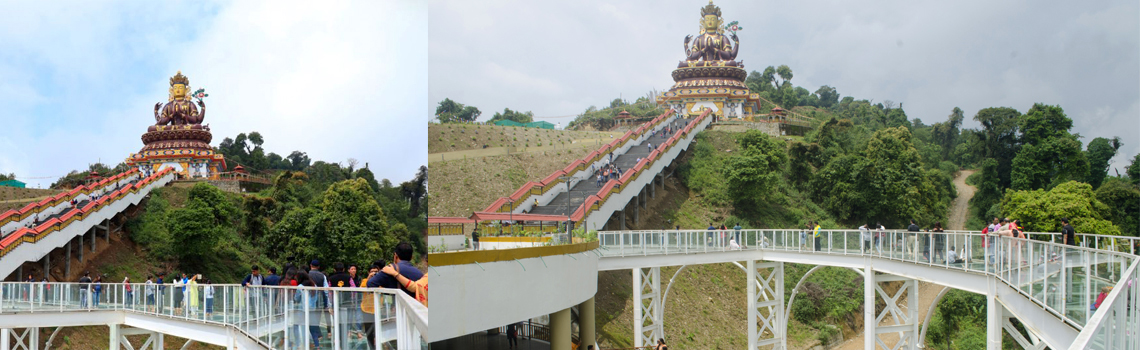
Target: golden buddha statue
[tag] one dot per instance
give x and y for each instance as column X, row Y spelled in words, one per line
column 179, row 110
column 711, row 45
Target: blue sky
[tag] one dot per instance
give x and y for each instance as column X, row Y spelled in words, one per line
column 558, row 58
column 79, row 80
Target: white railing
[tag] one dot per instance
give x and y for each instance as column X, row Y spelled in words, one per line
column 276, row 317
column 1062, row 279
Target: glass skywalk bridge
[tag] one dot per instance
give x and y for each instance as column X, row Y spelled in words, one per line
column 267, row 317
column 1062, row 280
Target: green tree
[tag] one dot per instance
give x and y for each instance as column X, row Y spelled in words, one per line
column 1041, row 211
column 516, row 116
column 1099, row 152
column 196, row 228
column 753, row 174
column 989, row 191
column 999, row 138
column 768, row 79
column 349, row 224
column 784, row 72
column 828, row 96
column 1133, row 170
column 945, row 134
column 449, row 111
column 1049, row 154
column 1123, row 201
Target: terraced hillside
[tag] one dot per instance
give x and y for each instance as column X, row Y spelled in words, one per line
column 16, row 198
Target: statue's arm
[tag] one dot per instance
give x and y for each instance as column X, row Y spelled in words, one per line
column 688, row 52
column 202, row 115
column 157, row 106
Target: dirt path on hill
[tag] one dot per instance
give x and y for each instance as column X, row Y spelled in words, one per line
column 959, row 208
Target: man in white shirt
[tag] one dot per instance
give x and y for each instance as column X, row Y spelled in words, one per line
column 952, row 256
column 866, row 235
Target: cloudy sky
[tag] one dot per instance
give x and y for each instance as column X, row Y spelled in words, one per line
column 558, row 58
column 79, row 80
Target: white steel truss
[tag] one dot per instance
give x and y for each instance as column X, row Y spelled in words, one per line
column 903, row 311
column 648, row 314
column 765, row 305
column 26, row 339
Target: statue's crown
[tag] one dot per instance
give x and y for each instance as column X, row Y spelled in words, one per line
column 710, row 10
column 179, row 79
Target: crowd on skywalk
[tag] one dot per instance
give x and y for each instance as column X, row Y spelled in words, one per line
column 191, row 295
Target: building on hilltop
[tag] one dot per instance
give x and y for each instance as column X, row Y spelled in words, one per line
column 178, row 139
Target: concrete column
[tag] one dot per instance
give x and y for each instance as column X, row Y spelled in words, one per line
column 621, row 218
column 993, row 321
column 560, row 330
column 33, row 339
column 869, row 333
column 642, row 198
column 20, row 273
column 115, row 337
column 587, row 331
column 47, row 264
column 67, row 261
column 5, row 338
column 107, row 230
column 653, row 187
column 94, row 232
column 636, row 215
column 80, row 248
column 912, row 310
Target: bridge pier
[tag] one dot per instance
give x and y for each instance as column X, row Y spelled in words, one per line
column 766, row 305
column 153, row 340
column 993, row 321
column 905, row 321
column 116, row 339
column 560, row 330
column 47, row 264
column 587, row 330
column 93, row 234
column 636, row 214
column 81, row 248
column 648, row 313
column 67, row 261
column 20, row 273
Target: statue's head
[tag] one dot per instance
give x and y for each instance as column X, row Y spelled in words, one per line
column 179, row 87
column 710, row 18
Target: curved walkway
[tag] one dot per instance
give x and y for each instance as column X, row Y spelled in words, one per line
column 1048, row 286
column 254, row 317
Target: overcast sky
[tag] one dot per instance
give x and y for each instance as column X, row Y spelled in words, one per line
column 339, row 80
column 558, row 58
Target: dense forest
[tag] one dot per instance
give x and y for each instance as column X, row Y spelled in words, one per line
column 311, row 210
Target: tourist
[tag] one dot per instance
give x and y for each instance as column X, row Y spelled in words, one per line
column 475, row 238
column 341, row 279
column 149, row 291
column 130, row 293
column 512, row 336
column 179, row 292
column 419, row 287
column 952, row 256
column 661, row 345
column 161, row 289
column 96, row 290
column 711, row 234
column 866, row 235
column 253, row 278
column 192, row 293
column 724, row 234
column 303, row 280
column 1068, row 235
column 84, row 288
column 27, row 289
column 320, row 281
column 599, row 180
column 650, row 146
column 911, row 238
column 939, row 240
column 880, row 234
column 1100, row 297
column 737, row 229
column 732, row 244
column 803, row 236
column 402, row 257
column 818, row 245
column 272, row 279
column 208, row 294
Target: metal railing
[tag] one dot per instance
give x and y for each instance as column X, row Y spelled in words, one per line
column 274, row 316
column 1062, row 279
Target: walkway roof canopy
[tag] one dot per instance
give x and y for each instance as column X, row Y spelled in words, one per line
column 486, row 216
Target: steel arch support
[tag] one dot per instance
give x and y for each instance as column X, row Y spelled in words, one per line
column 765, row 305
column 904, row 312
column 648, row 315
column 930, row 313
column 1033, row 343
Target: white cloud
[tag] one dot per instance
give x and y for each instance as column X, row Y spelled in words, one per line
column 338, row 80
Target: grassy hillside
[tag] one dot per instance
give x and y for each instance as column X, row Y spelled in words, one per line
column 16, row 198
column 458, row 137
column 461, row 186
